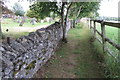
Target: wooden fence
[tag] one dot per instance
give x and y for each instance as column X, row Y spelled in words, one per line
column 104, row 37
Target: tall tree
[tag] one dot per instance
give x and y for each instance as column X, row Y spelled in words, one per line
column 83, row 9
column 43, row 9
column 18, row 9
column 32, row 14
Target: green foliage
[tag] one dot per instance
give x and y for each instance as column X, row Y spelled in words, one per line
column 43, row 9
column 79, row 25
column 31, row 14
column 18, row 9
column 53, row 15
column 84, row 9
column 31, row 65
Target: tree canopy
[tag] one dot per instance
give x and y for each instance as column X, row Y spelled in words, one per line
column 65, row 9
column 78, row 9
column 18, row 9
column 43, row 9
column 84, row 9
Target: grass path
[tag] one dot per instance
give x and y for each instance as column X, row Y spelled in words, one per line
column 76, row 59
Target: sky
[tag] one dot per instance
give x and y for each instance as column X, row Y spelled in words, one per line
column 108, row 8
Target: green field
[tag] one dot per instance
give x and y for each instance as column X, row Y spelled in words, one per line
column 10, row 23
column 16, row 31
column 111, row 32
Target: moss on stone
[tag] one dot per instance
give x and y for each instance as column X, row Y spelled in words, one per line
column 40, row 58
column 21, row 65
column 15, row 72
column 31, row 65
column 44, row 51
column 27, row 73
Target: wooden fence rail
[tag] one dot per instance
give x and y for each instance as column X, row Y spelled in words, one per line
column 103, row 35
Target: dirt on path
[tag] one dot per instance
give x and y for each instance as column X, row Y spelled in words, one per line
column 75, row 59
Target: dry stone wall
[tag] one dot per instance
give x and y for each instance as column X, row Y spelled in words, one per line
column 24, row 56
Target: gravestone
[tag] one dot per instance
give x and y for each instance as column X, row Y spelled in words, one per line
column 42, row 21
column 18, row 19
column 33, row 21
column 15, row 18
column 22, row 22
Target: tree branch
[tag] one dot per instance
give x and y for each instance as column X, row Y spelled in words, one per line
column 79, row 11
column 67, row 11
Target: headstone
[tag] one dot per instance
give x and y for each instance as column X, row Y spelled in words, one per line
column 48, row 19
column 14, row 18
column 42, row 21
column 18, row 19
column 33, row 21
column 23, row 21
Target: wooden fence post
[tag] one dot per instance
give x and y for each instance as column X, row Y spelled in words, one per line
column 103, row 35
column 94, row 30
column 119, row 42
column 90, row 24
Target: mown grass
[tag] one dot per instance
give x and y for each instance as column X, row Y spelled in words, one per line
column 86, row 56
column 14, row 28
column 112, row 66
column 82, row 58
column 75, row 59
column 87, row 62
column 11, row 23
column 14, row 35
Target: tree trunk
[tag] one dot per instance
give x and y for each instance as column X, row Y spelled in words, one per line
column 73, row 23
column 65, row 24
column 62, row 22
column 76, row 16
